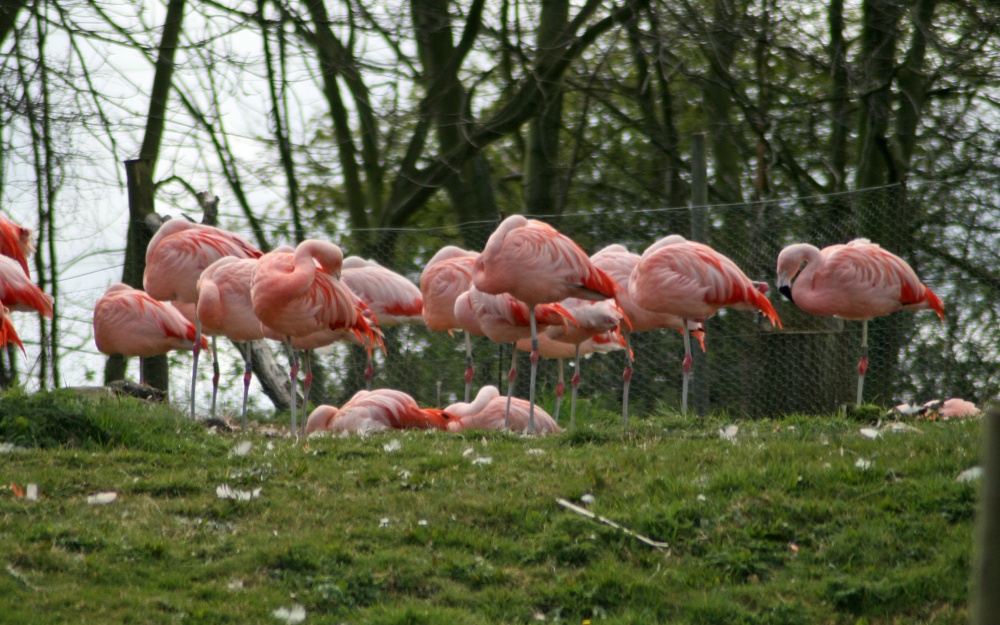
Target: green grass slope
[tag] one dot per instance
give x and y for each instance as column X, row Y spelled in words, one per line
column 797, row 521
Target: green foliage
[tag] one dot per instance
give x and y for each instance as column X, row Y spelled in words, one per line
column 777, row 527
column 68, row 419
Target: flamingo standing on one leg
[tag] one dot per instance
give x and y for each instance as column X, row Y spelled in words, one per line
column 447, row 275
column 693, row 281
column 535, row 263
column 129, row 322
column 391, row 297
column 504, row 319
column 618, row 262
column 177, row 254
column 488, row 412
column 859, row 280
column 375, row 411
column 298, row 294
column 593, row 318
column 224, row 307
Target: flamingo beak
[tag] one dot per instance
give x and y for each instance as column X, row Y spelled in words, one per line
column 785, row 287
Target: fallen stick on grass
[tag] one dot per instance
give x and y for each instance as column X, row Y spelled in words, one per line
column 606, row 521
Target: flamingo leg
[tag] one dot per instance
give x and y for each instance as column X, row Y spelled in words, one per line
column 307, row 384
column 293, row 363
column 247, row 374
column 510, row 388
column 863, row 363
column 197, row 351
column 369, row 372
column 627, row 376
column 469, row 369
column 686, row 368
column 560, row 388
column 575, row 383
column 215, row 373
column 534, row 372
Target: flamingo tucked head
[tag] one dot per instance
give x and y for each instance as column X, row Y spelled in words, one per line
column 790, row 262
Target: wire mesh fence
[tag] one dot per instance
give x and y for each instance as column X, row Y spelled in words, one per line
column 948, row 232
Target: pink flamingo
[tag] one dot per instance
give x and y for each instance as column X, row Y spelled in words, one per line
column 391, row 297
column 535, row 263
column 592, row 319
column 224, row 308
column 129, row 322
column 298, row 294
column 618, row 263
column 552, row 349
column 16, row 242
column 19, row 293
column 376, row 411
column 175, row 257
column 447, row 275
column 693, row 281
column 488, row 412
column 504, row 319
column 859, row 281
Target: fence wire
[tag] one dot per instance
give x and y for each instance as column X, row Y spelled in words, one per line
column 948, row 232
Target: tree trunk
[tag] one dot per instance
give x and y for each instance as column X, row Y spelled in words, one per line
column 141, row 188
column 470, row 189
column 542, row 171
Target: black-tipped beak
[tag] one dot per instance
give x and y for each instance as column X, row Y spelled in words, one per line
column 786, row 290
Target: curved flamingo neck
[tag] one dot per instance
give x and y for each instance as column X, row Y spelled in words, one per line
column 804, row 253
column 329, row 256
column 483, row 398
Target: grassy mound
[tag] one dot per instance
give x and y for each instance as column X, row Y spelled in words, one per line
column 68, row 419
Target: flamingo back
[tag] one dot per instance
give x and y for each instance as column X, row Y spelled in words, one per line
column 392, row 297
column 440, row 284
column 131, row 323
column 16, row 242
column 178, row 253
column 537, row 264
column 693, row 281
column 18, row 292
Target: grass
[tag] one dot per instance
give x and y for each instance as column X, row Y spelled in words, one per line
column 777, row 527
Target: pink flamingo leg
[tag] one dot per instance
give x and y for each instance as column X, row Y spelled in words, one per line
column 686, row 368
column 575, row 383
column 307, row 384
column 293, row 362
column 196, row 351
column 627, row 376
column 215, row 373
column 560, row 389
column 470, row 370
column 534, row 372
column 510, row 387
column 247, row 374
column 863, row 363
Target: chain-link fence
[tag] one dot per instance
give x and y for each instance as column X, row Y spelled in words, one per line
column 947, row 231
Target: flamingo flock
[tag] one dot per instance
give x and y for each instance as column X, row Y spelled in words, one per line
column 531, row 286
